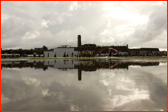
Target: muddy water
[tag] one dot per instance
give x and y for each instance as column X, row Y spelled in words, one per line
column 84, row 85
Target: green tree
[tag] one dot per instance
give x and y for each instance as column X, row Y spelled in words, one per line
column 45, row 48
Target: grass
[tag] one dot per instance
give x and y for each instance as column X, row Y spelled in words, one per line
column 14, row 59
column 42, row 58
column 102, row 58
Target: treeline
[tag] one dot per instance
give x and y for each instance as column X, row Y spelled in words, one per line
column 26, row 51
column 20, row 51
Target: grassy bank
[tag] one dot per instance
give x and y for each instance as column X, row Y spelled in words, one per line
column 22, row 59
column 14, row 59
column 101, row 58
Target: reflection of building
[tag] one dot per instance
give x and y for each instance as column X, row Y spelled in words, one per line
column 82, row 65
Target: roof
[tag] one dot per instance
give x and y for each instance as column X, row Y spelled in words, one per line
column 89, row 45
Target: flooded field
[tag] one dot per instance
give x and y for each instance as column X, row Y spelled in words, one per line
column 84, row 85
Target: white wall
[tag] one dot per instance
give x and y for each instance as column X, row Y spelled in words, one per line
column 69, row 51
column 51, row 54
column 60, row 52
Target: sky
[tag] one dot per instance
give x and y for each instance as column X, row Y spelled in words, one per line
column 33, row 24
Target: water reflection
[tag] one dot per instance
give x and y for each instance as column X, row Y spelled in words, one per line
column 82, row 65
column 101, row 85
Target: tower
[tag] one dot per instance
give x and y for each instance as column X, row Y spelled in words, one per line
column 79, row 40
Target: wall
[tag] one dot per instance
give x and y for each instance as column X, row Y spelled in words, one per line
column 60, row 52
column 51, row 54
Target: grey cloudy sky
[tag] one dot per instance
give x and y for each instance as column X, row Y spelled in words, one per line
column 30, row 24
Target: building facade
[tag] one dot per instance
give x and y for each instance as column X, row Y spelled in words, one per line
column 61, row 52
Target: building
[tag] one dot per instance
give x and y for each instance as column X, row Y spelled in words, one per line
column 64, row 51
column 92, row 50
column 140, row 50
column 82, row 50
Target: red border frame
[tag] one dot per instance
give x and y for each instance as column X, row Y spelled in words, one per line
column 0, row 58
column 83, row 0
column 70, row 0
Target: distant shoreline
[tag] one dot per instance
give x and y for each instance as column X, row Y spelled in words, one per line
column 62, row 58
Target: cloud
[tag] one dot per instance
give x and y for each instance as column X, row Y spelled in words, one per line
column 154, row 29
column 29, row 24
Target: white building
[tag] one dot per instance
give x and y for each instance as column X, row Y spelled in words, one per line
column 61, row 52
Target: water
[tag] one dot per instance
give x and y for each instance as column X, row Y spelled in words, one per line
column 84, row 85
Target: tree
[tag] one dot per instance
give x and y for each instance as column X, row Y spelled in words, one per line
column 45, row 48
